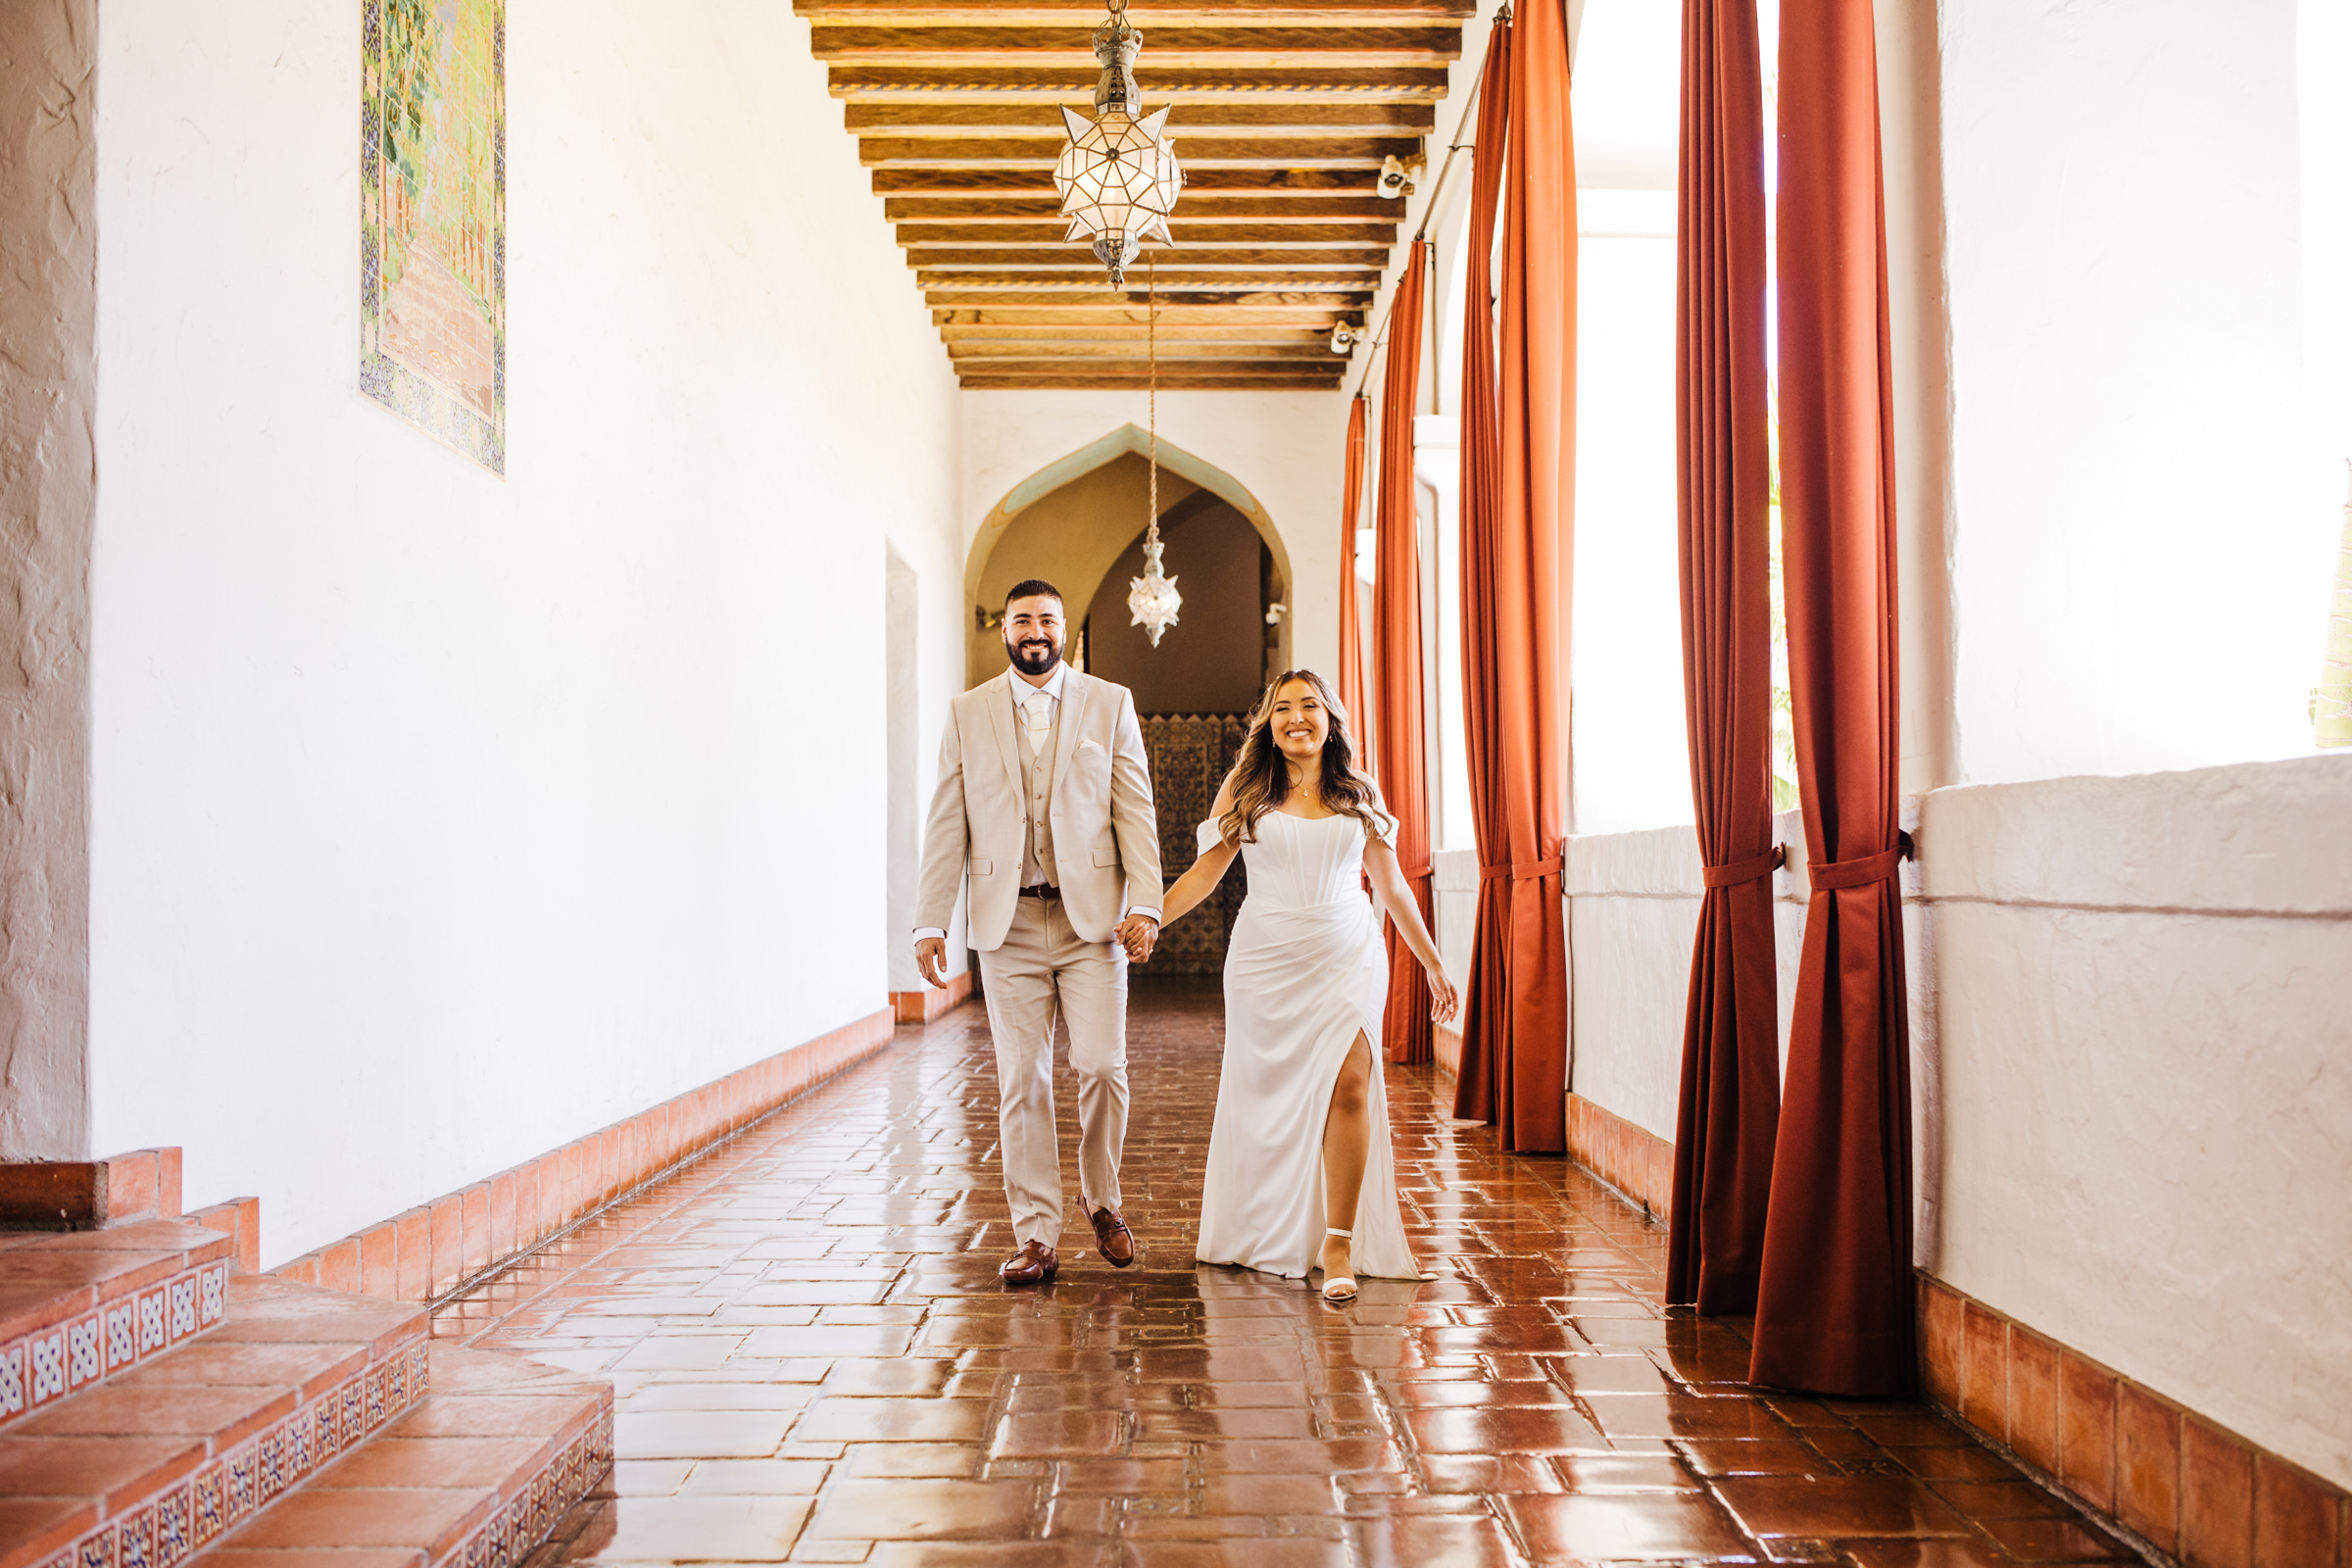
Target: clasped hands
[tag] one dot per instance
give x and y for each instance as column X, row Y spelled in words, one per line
column 1137, row 934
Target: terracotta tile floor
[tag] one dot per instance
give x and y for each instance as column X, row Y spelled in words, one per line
column 814, row 1363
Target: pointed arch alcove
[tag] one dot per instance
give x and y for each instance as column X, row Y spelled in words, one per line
column 1072, row 521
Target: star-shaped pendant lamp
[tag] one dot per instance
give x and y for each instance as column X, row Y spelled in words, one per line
column 1118, row 177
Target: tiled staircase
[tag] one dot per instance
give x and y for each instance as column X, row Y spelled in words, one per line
column 156, row 1408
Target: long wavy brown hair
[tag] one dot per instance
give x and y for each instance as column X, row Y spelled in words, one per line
column 1261, row 777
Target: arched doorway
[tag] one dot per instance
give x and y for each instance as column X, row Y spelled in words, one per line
column 1079, row 523
column 1072, row 519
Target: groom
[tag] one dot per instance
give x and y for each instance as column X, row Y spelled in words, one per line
column 1045, row 799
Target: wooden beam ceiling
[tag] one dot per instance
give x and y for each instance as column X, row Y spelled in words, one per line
column 1284, row 112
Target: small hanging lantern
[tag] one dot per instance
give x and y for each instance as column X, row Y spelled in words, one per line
column 1152, row 597
column 1118, row 177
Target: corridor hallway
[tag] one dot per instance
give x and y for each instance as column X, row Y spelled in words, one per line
column 815, row 1362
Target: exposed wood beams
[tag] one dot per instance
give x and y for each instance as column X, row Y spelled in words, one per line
column 1285, row 111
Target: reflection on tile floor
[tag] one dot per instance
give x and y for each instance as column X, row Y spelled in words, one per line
column 815, row 1363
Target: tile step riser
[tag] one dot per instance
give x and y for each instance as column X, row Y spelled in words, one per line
column 525, row 1521
column 114, row 1334
column 167, row 1526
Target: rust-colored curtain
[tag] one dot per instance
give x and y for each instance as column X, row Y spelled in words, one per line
column 1399, row 739
column 1730, row 1100
column 1834, row 1305
column 1487, row 991
column 1518, row 532
column 1351, row 634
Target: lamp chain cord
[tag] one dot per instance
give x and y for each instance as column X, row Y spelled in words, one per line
column 1151, row 360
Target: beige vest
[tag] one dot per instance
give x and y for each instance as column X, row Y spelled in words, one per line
column 1037, row 849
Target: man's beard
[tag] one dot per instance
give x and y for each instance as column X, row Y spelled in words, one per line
column 1031, row 660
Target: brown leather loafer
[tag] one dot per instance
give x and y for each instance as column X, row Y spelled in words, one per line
column 1034, row 1264
column 1112, row 1239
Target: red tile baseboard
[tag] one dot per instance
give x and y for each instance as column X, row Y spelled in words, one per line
column 1447, row 1049
column 921, row 1006
column 240, row 1221
column 1635, row 1160
column 437, row 1246
column 2196, row 1494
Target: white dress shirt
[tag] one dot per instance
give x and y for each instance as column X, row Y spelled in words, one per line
column 1023, row 693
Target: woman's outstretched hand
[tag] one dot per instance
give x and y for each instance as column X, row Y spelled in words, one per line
column 1443, row 1001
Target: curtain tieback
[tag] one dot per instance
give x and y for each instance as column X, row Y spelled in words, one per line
column 1753, row 869
column 1860, row 873
column 1523, row 870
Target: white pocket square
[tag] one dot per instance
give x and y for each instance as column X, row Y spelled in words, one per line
column 1090, row 746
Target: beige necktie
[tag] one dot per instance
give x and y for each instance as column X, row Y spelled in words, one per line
column 1039, row 708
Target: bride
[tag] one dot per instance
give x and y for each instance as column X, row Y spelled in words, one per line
column 1300, row 1173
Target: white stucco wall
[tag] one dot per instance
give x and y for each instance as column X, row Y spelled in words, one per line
column 1287, row 448
column 438, row 817
column 2146, row 1000
column 1633, row 917
column 2142, row 530
column 48, row 391
column 1633, row 910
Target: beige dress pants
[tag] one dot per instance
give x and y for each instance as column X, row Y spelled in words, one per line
column 1043, row 963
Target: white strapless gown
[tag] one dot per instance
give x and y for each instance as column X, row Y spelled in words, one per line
column 1306, row 971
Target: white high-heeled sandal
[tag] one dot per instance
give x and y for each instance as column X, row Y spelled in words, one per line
column 1340, row 1289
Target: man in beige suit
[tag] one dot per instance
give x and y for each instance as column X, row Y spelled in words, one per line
column 1045, row 798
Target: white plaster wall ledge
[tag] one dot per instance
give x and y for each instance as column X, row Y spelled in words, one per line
column 1664, row 862
column 1454, row 872
column 2138, row 1094
column 1656, row 863
column 2262, row 840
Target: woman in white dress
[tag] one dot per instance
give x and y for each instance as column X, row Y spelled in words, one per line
column 1300, row 1173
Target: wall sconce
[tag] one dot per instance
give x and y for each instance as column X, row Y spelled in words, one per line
column 1345, row 338
column 1398, row 179
column 1275, row 611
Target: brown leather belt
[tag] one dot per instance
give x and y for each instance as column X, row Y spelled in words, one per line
column 1042, row 890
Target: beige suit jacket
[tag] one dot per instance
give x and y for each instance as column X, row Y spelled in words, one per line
column 1105, row 833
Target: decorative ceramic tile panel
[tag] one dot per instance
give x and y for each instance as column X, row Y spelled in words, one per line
column 193, row 1512
column 48, row 1365
column 85, row 1357
column 122, row 1335
column 67, row 1357
column 531, row 1513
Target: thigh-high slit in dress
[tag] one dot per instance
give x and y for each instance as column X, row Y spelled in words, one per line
column 1305, row 974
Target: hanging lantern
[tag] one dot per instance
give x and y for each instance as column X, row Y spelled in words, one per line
column 1152, row 597
column 1118, row 177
